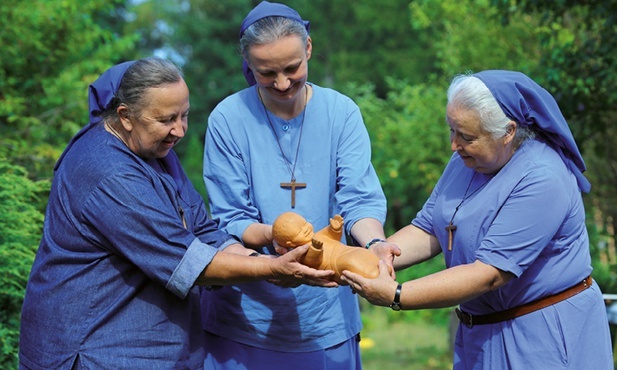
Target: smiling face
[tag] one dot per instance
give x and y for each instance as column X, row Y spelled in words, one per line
column 478, row 149
column 161, row 124
column 280, row 67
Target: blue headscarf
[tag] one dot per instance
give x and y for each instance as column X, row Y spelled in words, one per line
column 526, row 102
column 263, row 10
column 100, row 94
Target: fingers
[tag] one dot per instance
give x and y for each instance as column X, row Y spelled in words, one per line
column 384, row 271
column 293, row 254
column 281, row 250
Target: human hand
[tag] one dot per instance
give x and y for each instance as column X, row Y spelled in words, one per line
column 280, row 249
column 386, row 252
column 378, row 291
column 290, row 272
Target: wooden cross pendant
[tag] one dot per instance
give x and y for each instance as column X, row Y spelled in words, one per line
column 450, row 229
column 293, row 185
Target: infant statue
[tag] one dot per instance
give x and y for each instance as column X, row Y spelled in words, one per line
column 326, row 252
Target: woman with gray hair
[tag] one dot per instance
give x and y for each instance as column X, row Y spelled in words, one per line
column 127, row 238
column 507, row 214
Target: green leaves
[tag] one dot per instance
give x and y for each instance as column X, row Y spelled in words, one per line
column 20, row 230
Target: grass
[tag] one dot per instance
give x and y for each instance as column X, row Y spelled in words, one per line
column 393, row 341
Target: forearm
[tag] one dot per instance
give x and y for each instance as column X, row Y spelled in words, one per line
column 257, row 235
column 416, row 246
column 232, row 268
column 367, row 229
column 452, row 286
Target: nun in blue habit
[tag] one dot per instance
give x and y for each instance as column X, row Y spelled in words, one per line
column 285, row 144
column 507, row 214
column 127, row 237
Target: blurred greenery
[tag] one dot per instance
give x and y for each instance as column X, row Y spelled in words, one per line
column 393, row 57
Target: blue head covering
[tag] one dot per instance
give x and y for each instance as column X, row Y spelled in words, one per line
column 529, row 104
column 100, row 94
column 263, row 10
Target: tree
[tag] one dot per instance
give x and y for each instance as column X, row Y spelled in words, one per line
column 50, row 51
column 20, row 230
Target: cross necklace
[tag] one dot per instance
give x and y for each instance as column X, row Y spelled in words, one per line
column 292, row 184
column 451, row 227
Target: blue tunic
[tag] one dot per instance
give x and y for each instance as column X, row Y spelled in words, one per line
column 243, row 169
column 528, row 219
column 112, row 282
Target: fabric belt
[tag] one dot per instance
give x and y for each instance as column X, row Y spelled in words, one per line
column 509, row 314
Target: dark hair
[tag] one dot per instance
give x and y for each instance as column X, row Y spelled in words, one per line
column 144, row 74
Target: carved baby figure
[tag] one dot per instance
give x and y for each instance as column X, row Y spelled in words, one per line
column 326, row 252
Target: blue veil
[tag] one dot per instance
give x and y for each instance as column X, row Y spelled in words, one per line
column 526, row 102
column 263, row 10
column 100, row 94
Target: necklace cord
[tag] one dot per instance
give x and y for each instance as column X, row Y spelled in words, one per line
column 292, row 170
column 465, row 196
column 116, row 133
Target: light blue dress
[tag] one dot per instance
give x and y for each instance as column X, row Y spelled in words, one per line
column 528, row 219
column 243, row 169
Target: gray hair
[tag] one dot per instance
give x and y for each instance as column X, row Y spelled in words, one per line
column 270, row 29
column 144, row 74
column 470, row 93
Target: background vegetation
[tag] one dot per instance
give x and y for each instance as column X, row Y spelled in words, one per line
column 394, row 57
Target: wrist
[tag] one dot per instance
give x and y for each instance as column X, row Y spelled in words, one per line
column 396, row 302
column 373, row 242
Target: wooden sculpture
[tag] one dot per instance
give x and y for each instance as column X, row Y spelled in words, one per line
column 326, row 252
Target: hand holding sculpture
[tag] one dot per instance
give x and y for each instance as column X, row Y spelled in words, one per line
column 326, row 251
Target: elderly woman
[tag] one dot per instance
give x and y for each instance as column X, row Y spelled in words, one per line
column 127, row 237
column 508, row 216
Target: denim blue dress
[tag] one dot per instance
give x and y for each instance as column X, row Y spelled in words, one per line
column 112, row 282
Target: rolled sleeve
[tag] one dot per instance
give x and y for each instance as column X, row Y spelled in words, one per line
column 197, row 257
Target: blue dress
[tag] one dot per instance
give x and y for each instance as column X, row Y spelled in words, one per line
column 112, row 282
column 529, row 220
column 243, row 169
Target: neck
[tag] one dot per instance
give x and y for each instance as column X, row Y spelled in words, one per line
column 109, row 127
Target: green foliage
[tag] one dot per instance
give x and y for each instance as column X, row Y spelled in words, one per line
column 410, row 144
column 51, row 51
column 578, row 60
column 20, row 228
column 469, row 36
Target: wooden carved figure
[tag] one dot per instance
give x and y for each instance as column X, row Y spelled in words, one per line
column 326, row 252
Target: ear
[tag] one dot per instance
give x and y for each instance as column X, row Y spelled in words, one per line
column 124, row 113
column 309, row 48
column 510, row 132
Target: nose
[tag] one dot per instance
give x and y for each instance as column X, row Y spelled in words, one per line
column 180, row 126
column 454, row 146
column 281, row 82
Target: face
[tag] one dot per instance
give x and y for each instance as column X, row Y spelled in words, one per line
column 478, row 149
column 304, row 235
column 281, row 67
column 161, row 124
